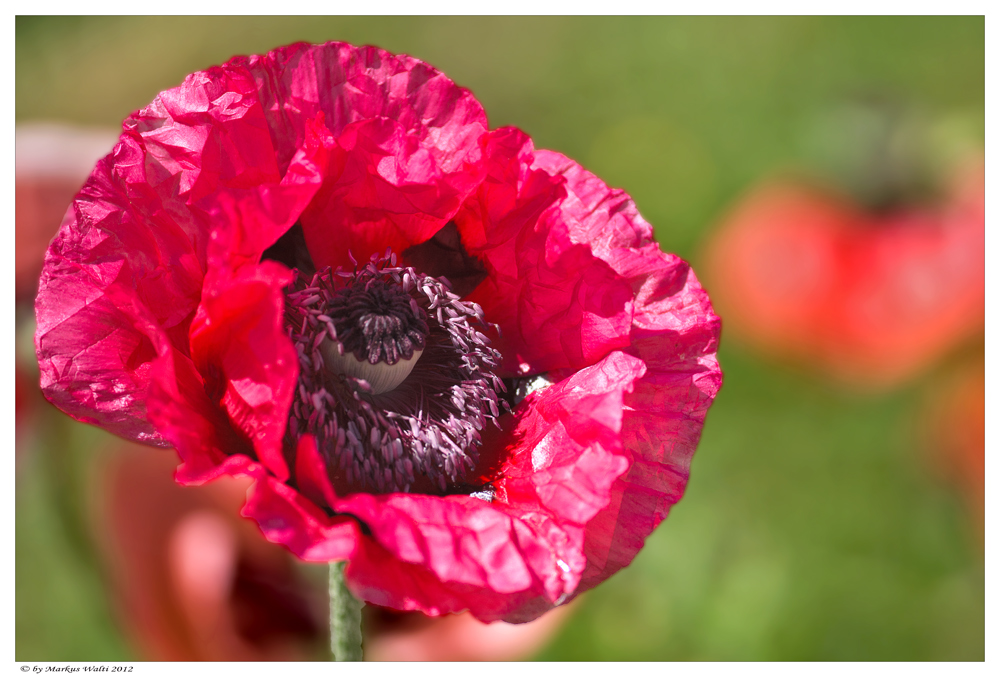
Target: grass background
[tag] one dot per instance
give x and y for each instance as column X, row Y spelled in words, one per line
column 813, row 527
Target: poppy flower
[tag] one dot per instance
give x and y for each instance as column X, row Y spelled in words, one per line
column 869, row 297
column 458, row 362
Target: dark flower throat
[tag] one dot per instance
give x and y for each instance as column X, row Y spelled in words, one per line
column 396, row 376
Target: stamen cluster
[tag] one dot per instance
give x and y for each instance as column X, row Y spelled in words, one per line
column 377, row 321
column 425, row 431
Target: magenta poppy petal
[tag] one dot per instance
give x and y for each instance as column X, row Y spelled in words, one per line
column 238, row 339
column 112, row 253
column 349, row 84
column 444, row 555
column 249, row 220
column 311, row 474
column 288, row 518
column 376, row 575
column 189, row 420
column 408, row 141
column 605, row 218
column 384, row 189
column 675, row 333
column 660, row 444
column 556, row 303
column 131, row 232
column 239, row 343
column 208, row 133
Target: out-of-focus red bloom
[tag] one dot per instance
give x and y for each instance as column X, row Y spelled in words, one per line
column 168, row 314
column 871, row 298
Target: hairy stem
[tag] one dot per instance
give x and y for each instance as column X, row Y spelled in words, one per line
column 345, row 617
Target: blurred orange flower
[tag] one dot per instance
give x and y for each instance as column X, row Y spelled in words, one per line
column 869, row 298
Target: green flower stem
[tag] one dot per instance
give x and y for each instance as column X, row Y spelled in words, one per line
column 345, row 617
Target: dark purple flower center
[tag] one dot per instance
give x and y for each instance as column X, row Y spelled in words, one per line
column 377, row 321
column 396, row 376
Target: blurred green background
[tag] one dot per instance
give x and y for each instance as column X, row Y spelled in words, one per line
column 813, row 527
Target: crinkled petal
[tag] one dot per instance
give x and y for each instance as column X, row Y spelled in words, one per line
column 182, row 412
column 408, row 141
column 558, row 305
column 377, row 575
column 248, row 221
column 208, row 133
column 132, row 234
column 211, row 447
column 382, row 191
column 675, row 334
column 238, row 339
column 289, row 518
column 118, row 247
column 239, row 344
column 311, row 473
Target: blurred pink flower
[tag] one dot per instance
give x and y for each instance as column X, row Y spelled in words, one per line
column 203, row 294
